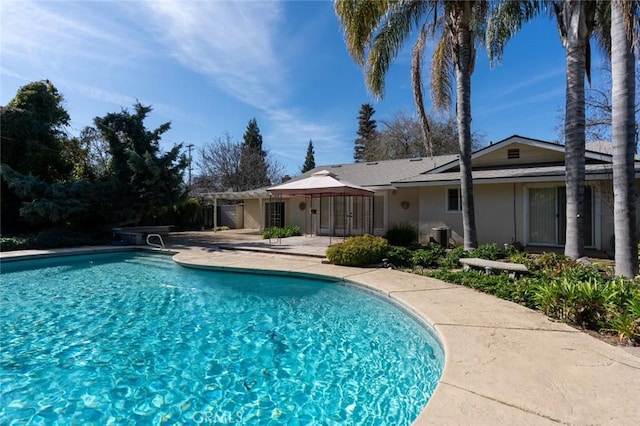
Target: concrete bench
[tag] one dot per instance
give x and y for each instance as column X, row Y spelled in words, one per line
column 490, row 265
column 135, row 235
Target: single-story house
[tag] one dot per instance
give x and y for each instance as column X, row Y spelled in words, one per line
column 519, row 195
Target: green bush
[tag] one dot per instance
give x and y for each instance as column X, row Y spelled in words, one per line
column 551, row 264
column 400, row 256
column 591, row 304
column 16, row 243
column 582, row 295
column 188, row 214
column 55, row 238
column 402, row 234
column 429, row 256
column 275, row 232
column 359, row 251
column 452, row 258
column 489, row 251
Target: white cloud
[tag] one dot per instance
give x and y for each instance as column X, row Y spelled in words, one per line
column 534, row 81
column 233, row 43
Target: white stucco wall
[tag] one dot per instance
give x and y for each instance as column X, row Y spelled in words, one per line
column 252, row 214
column 403, row 206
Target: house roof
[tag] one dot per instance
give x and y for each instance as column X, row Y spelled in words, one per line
column 596, row 152
column 525, row 174
column 441, row 170
column 381, row 173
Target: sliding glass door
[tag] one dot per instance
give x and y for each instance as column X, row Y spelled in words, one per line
column 548, row 218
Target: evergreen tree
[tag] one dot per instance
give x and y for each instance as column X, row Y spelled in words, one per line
column 145, row 180
column 33, row 132
column 309, row 161
column 254, row 159
column 366, row 132
column 34, row 142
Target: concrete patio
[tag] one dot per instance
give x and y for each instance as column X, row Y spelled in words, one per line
column 505, row 364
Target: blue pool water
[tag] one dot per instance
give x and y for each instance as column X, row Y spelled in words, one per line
column 133, row 338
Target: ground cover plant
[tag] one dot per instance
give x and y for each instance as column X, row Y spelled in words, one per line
column 583, row 295
column 287, row 231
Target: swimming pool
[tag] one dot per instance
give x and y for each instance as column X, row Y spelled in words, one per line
column 134, row 338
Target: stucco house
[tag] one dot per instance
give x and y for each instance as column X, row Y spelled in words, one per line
column 519, row 194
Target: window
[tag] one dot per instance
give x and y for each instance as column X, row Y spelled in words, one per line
column 454, row 203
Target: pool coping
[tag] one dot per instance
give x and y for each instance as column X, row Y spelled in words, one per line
column 504, row 363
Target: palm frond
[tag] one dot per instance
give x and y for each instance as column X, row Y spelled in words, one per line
column 389, row 39
column 442, row 72
column 360, row 20
column 416, row 77
column 505, row 21
column 602, row 26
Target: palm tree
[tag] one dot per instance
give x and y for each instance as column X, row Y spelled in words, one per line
column 623, row 17
column 577, row 21
column 376, row 30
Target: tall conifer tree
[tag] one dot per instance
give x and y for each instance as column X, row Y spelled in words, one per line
column 366, row 132
column 253, row 162
column 309, row 161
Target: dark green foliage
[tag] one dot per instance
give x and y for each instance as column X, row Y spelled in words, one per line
column 402, row 234
column 67, row 204
column 400, row 256
column 189, row 214
column 56, row 238
column 287, row 231
column 578, row 294
column 590, row 304
column 489, row 251
column 452, row 258
column 359, row 251
column 15, row 243
column 34, row 142
column 309, row 161
column 366, row 132
column 143, row 179
column 498, row 284
column 33, row 132
column 429, row 256
column 254, row 158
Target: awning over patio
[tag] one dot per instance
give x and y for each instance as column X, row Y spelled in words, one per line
column 319, row 183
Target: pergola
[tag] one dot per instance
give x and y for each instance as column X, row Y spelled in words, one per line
column 320, row 184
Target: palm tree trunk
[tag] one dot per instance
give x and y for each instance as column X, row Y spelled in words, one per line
column 574, row 130
column 623, row 136
column 464, row 69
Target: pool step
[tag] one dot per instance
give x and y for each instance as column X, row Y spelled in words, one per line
column 153, row 261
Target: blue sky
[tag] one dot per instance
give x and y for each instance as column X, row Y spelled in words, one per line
column 209, row 67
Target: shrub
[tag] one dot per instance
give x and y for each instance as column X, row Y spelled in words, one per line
column 54, row 238
column 359, row 251
column 582, row 303
column 402, row 234
column 275, row 232
column 400, row 256
column 15, row 243
column 489, row 251
column 428, row 256
column 551, row 264
column 452, row 258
